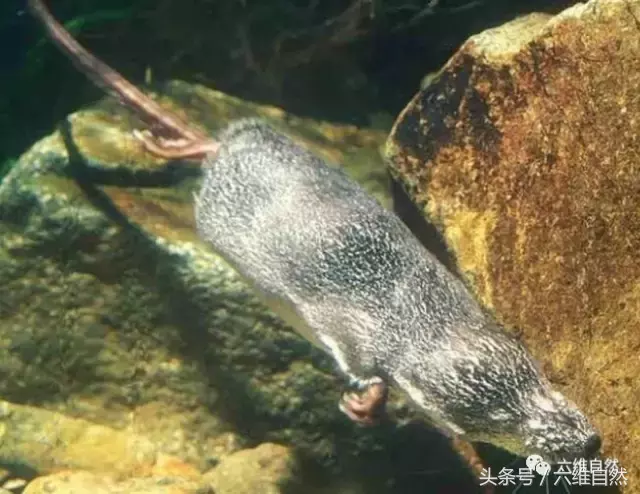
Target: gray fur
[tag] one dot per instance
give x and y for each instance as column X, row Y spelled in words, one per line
column 354, row 280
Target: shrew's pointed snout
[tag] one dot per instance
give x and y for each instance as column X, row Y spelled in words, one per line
column 592, row 446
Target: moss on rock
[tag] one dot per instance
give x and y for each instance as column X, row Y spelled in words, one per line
column 524, row 152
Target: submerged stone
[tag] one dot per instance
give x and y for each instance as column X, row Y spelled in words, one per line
column 524, row 152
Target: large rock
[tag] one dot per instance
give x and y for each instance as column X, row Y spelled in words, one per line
column 76, row 456
column 42, row 441
column 524, row 152
column 80, row 482
column 265, row 469
column 113, row 311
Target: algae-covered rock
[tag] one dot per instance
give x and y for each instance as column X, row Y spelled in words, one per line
column 81, row 482
column 113, row 311
column 78, row 456
column 266, row 469
column 37, row 440
column 524, row 151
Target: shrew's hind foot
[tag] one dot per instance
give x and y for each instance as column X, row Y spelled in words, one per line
column 367, row 405
column 177, row 148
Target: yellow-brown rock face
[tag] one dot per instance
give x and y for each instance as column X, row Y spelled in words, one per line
column 525, row 153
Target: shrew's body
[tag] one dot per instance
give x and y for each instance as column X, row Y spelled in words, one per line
column 351, row 278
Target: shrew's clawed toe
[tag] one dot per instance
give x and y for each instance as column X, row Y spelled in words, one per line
column 367, row 406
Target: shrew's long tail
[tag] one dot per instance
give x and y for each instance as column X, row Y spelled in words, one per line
column 188, row 141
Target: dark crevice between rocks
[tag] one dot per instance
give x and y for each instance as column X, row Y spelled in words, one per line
column 426, row 232
column 169, row 174
column 79, row 172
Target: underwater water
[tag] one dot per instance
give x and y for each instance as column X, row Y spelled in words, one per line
column 135, row 358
